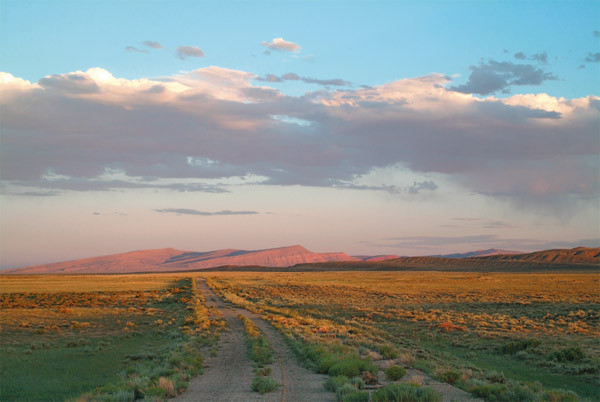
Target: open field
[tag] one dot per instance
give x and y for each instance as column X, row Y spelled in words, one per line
column 499, row 336
column 100, row 337
column 517, row 336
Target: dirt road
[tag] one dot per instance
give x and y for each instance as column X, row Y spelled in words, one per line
column 228, row 375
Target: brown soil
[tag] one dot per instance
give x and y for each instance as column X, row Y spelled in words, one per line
column 228, row 375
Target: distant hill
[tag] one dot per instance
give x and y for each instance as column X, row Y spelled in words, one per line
column 297, row 258
column 579, row 255
column 169, row 259
column 382, row 257
column 479, row 253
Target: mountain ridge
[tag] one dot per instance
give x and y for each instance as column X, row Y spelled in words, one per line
column 297, row 257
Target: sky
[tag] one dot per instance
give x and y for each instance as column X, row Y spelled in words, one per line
column 369, row 127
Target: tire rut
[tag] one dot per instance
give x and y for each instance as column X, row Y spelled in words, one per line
column 228, row 375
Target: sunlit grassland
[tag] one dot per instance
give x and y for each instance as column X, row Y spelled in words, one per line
column 508, row 336
column 100, row 337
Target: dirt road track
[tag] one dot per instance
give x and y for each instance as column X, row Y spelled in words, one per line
column 228, row 375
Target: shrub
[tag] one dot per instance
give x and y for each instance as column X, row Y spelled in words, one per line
column 168, row 386
column 406, row 393
column 388, row 352
column 333, row 383
column 556, row 395
column 394, row 373
column 514, row 347
column 352, row 367
column 571, row 354
column 357, row 396
column 450, row 376
column 348, row 391
column 262, row 385
column 491, row 392
column 357, row 382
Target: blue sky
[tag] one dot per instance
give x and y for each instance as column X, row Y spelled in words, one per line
column 362, row 42
column 400, row 127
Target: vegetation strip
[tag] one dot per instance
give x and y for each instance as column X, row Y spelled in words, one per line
column 260, row 352
column 499, row 337
column 123, row 344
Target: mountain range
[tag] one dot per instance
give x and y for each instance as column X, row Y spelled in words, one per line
column 171, row 260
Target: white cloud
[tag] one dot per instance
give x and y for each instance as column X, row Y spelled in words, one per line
column 282, row 45
column 530, row 148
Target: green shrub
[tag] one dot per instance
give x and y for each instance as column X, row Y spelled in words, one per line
column 357, row 382
column 357, row 396
column 333, row 383
column 514, row 347
column 491, row 392
column 262, row 385
column 556, row 395
column 450, row 376
column 352, row 367
column 388, row 352
column 406, row 393
column 348, row 391
column 394, row 373
column 571, row 354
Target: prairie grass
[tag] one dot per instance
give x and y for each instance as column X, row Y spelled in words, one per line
column 539, row 330
column 62, row 338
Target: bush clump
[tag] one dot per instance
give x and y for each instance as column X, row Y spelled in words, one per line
column 333, row 383
column 406, row 392
column 348, row 392
column 352, row 367
column 556, row 395
column 514, row 347
column 262, row 385
column 571, row 354
column 394, row 373
column 450, row 376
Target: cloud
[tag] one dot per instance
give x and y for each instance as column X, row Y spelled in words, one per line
column 133, row 49
column 73, row 83
column 184, row 211
column 494, row 76
column 281, row 45
column 593, row 57
column 153, row 45
column 185, row 52
column 213, row 128
column 541, row 57
column 308, row 80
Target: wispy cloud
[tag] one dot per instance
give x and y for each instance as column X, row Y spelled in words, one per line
column 133, row 49
column 308, row 80
column 593, row 57
column 185, row 52
column 185, row 211
column 281, row 45
column 153, row 45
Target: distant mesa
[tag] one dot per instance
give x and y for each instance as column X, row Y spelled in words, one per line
column 169, row 260
column 297, row 258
